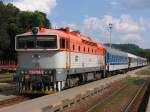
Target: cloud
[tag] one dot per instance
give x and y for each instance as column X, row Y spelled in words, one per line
column 125, row 28
column 127, row 25
column 92, row 23
column 124, row 24
column 32, row 5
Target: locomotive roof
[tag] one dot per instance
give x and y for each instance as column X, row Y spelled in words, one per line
column 64, row 32
column 44, row 31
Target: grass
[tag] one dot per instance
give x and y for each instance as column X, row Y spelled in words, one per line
column 131, row 80
column 6, row 80
column 144, row 72
column 120, row 99
column 6, row 85
column 6, row 77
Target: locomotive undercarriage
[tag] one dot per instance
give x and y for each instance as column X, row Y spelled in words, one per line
column 47, row 84
column 82, row 78
column 35, row 83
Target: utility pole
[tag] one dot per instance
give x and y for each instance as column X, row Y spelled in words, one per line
column 110, row 28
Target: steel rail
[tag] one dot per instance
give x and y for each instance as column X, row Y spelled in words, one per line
column 132, row 101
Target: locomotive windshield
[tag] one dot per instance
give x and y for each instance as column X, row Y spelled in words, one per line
column 38, row 42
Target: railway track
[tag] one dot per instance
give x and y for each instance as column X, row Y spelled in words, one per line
column 129, row 96
column 135, row 101
column 12, row 101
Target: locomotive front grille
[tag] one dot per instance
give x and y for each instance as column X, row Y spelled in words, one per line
column 35, row 81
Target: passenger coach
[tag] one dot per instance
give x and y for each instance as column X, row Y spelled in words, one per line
column 116, row 60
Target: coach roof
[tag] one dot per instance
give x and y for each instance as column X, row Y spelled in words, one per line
column 117, row 52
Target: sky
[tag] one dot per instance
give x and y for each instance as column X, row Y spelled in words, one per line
column 130, row 19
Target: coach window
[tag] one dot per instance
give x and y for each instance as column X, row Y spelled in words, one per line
column 111, row 58
column 118, row 57
column 62, row 43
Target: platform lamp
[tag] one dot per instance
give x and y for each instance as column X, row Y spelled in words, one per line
column 110, row 28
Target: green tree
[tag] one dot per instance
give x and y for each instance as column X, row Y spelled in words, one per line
column 26, row 20
column 13, row 22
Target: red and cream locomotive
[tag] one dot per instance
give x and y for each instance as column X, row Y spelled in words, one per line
column 54, row 59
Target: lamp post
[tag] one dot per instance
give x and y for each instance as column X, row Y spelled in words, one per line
column 110, row 28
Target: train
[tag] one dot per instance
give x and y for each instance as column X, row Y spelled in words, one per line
column 51, row 60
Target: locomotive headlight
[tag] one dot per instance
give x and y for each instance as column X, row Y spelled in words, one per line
column 25, row 72
column 49, row 72
column 22, row 72
column 59, row 72
column 27, row 76
column 34, row 30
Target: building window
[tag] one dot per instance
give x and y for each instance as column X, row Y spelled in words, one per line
column 62, row 43
column 92, row 50
column 88, row 50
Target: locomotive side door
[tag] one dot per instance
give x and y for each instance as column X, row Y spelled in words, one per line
column 68, row 61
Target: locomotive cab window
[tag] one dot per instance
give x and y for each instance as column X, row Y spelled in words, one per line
column 38, row 42
column 47, row 42
column 84, row 49
column 67, row 44
column 73, row 47
column 62, row 43
column 79, row 48
column 25, row 42
column 95, row 51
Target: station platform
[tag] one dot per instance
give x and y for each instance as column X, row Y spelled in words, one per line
column 148, row 106
column 36, row 105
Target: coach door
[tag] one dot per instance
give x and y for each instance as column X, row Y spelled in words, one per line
column 129, row 62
